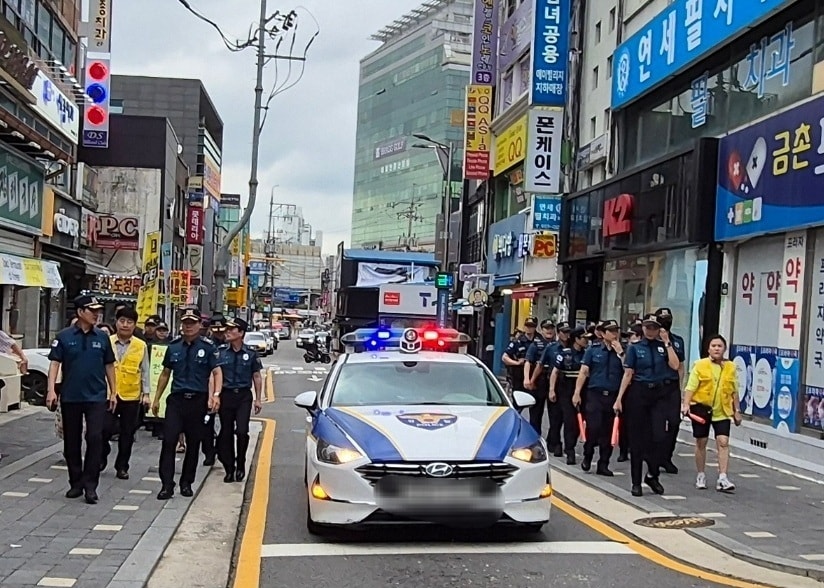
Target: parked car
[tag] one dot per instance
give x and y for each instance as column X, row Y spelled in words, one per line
column 306, row 336
column 271, row 339
column 35, row 384
column 257, row 341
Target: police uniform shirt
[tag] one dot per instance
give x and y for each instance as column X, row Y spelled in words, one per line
column 648, row 359
column 536, row 349
column 517, row 349
column 569, row 360
column 238, row 366
column 551, row 351
column 605, row 369
column 191, row 364
column 678, row 345
column 83, row 357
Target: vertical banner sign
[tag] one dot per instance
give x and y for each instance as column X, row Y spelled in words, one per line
column 101, row 23
column 147, row 296
column 478, row 134
column 787, row 362
column 543, row 156
column 485, row 43
column 194, row 225
column 157, row 352
column 550, row 53
column 814, row 380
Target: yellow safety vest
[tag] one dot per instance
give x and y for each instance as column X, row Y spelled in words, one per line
column 707, row 384
column 127, row 369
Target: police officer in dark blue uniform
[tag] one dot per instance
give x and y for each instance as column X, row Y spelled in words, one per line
column 646, row 365
column 514, row 356
column 217, row 333
column 85, row 355
column 193, row 360
column 672, row 388
column 535, row 381
column 602, row 365
column 565, row 371
column 556, row 415
column 241, row 370
column 634, row 334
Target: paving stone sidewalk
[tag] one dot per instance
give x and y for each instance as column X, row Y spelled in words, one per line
column 25, row 432
column 49, row 540
column 774, row 518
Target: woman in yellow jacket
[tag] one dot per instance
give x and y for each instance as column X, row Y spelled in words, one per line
column 711, row 400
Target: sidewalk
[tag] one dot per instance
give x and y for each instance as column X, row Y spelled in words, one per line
column 775, row 518
column 49, row 540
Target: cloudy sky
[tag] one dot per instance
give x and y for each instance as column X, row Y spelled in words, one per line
column 307, row 148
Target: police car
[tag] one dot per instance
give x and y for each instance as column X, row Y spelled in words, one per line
column 410, row 428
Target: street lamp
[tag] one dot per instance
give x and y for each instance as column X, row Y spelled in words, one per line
column 444, row 153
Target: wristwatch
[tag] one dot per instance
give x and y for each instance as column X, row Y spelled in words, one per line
column 668, row 345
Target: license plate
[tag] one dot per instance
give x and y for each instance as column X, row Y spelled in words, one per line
column 429, row 497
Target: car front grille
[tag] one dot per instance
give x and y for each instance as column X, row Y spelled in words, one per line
column 497, row 472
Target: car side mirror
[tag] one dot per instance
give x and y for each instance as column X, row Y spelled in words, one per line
column 307, row 400
column 521, row 399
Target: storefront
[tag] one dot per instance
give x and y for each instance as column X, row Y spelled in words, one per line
column 539, row 253
column 641, row 241
column 769, row 215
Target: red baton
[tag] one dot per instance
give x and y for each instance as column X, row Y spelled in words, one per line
column 697, row 418
column 582, row 427
column 616, row 428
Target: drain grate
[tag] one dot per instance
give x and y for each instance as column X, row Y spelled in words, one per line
column 675, row 522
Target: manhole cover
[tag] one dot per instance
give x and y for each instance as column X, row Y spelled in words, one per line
column 675, row 522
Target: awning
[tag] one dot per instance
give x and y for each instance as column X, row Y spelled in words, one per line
column 507, row 280
column 26, row 271
column 524, row 293
column 95, row 269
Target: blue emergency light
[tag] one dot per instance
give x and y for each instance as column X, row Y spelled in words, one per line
column 408, row 340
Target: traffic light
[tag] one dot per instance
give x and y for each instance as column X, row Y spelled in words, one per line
column 98, row 89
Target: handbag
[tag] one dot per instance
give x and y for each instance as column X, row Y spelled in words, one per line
column 704, row 411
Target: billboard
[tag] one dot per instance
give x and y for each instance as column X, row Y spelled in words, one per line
column 118, row 231
column 478, row 136
column 485, row 42
column 550, row 53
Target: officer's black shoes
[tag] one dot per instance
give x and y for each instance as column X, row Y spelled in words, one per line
column 229, row 477
column 636, row 490
column 165, row 493
column 74, row 493
column 209, row 461
column 654, row 484
column 604, row 471
column 586, row 464
column 122, row 475
column 670, row 468
column 240, row 474
column 91, row 497
column 571, row 459
column 186, row 490
column 623, row 457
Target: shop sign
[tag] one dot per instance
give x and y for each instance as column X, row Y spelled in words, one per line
column 510, row 145
column 618, row 215
column 194, row 225
column 88, row 228
column 544, row 246
column 211, row 177
column 65, row 225
column 546, row 213
column 16, row 63
column 118, row 231
column 257, row 268
column 120, row 285
column 515, row 36
column 814, row 379
column 680, row 35
column 593, row 152
column 230, row 200
column 56, row 107
column 408, row 299
column 543, row 156
column 503, row 246
column 485, row 42
column 21, row 191
column 388, row 148
column 195, row 183
column 23, row 271
column 478, row 135
column 194, row 260
column 101, row 22
column 550, row 52
column 771, row 175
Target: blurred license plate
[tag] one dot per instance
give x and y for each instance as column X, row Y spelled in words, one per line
column 427, row 496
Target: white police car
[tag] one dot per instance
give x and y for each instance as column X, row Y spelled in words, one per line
column 409, row 428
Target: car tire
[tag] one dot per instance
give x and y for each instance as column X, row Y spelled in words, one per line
column 34, row 387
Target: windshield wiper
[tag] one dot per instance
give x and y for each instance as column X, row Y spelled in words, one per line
column 434, row 403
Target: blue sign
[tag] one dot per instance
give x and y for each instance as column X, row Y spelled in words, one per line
column 502, row 246
column 95, row 138
column 550, row 53
column 195, row 197
column 546, row 213
column 288, row 295
column 257, row 268
column 677, row 37
column 166, row 257
column 771, row 175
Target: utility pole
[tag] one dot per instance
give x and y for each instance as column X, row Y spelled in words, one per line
column 410, row 213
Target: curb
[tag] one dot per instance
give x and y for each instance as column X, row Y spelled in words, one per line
column 712, row 538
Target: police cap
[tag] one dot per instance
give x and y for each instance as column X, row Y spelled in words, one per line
column 531, row 321
column 563, row 326
column 609, row 325
column 651, row 319
column 87, row 301
column 578, row 332
column 190, row 314
column 238, row 323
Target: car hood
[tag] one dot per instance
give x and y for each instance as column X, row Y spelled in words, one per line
column 422, row 433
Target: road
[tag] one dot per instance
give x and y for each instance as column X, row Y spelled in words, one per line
column 566, row 553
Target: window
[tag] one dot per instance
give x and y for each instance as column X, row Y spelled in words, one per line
column 611, row 19
column 597, row 32
column 609, row 67
column 44, row 21
column 525, row 73
column 606, row 119
column 593, row 127
column 595, row 77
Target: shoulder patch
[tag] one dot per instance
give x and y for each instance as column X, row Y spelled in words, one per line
column 55, row 343
column 559, row 357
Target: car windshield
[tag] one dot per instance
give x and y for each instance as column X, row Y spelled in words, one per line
column 415, row 383
column 307, row 332
column 254, row 337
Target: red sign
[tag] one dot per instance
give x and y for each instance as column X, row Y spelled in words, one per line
column 194, row 226
column 618, row 215
column 115, row 231
column 392, row 298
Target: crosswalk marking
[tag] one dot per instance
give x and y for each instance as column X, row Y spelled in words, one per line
column 538, row 548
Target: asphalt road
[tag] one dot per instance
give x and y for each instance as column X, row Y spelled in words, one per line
column 566, row 553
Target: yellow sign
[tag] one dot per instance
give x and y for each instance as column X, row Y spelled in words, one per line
column 233, row 297
column 147, row 296
column 510, row 145
column 48, row 212
column 478, row 137
column 156, row 355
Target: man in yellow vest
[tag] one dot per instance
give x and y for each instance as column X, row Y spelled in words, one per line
column 132, row 376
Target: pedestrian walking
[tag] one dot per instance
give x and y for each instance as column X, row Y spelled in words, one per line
column 711, row 399
column 565, row 369
column 672, row 389
column 642, row 394
column 601, row 373
column 150, row 329
column 193, row 361
column 241, row 371
column 84, row 355
column 162, row 332
column 131, row 370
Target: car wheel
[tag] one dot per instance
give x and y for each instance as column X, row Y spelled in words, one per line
column 35, row 386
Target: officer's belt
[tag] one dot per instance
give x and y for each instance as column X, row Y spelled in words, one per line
column 237, row 390
column 190, row 395
column 569, row 374
column 602, row 391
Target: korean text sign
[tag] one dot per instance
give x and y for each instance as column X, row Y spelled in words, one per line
column 678, row 36
column 814, row 380
column 771, row 175
column 543, row 155
column 485, row 42
column 546, row 213
column 550, row 52
column 194, row 225
column 478, row 134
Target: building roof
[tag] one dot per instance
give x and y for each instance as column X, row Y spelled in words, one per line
column 409, row 20
column 382, row 256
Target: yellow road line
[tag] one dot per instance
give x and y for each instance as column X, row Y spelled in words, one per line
column 248, row 565
column 647, row 552
column 270, row 386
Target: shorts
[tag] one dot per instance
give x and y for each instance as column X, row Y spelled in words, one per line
column 720, row 428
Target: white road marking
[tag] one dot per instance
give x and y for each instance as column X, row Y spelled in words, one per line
column 813, row 557
column 788, row 488
column 712, row 515
column 85, row 551
column 16, row 494
column 150, row 479
column 759, row 534
column 114, row 528
column 57, row 582
column 686, row 455
column 543, row 547
column 748, row 476
column 124, row 507
column 60, row 467
column 673, row 497
column 41, row 480
column 140, row 491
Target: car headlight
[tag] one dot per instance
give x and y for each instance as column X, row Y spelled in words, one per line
column 533, row 454
column 328, row 453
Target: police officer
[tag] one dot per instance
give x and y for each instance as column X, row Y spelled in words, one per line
column 217, row 333
column 89, row 388
column 556, row 415
column 514, row 356
column 241, row 369
column 672, row 388
column 642, row 393
column 150, row 329
column 565, row 369
column 602, row 365
column 193, row 361
column 634, row 334
column 535, row 381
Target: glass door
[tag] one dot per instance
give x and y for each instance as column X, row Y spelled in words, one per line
column 633, row 301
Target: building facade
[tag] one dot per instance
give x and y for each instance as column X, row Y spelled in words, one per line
column 414, row 83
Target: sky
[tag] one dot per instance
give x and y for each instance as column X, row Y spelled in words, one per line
column 307, row 148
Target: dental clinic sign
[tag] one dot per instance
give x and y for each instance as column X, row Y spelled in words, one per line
column 56, row 107
column 680, row 35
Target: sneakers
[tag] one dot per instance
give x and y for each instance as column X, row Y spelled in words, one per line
column 701, row 481
column 724, row 485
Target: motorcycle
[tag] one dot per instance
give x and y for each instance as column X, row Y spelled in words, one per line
column 317, row 353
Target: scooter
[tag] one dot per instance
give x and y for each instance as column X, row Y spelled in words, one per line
column 317, row 354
